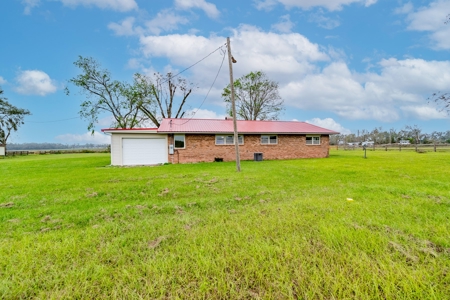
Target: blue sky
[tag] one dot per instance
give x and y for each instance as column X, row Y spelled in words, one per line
column 345, row 65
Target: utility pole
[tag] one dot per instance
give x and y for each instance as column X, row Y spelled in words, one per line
column 233, row 107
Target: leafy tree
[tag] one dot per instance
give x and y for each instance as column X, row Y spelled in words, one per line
column 131, row 105
column 104, row 94
column 256, row 97
column 11, row 117
column 163, row 91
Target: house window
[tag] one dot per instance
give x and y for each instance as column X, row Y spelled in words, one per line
column 179, row 140
column 312, row 140
column 228, row 139
column 269, row 139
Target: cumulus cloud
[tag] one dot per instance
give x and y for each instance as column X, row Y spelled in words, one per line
column 125, row 28
column 285, row 25
column 307, row 4
column 117, row 5
column 2, row 80
column 384, row 96
column 209, row 8
column 423, row 112
column 329, row 123
column 97, row 138
column 310, row 77
column 35, row 82
column 254, row 49
column 430, row 19
column 204, row 114
column 165, row 20
column 29, row 5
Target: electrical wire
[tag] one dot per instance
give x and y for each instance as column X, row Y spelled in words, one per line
column 53, row 120
column 219, row 48
column 207, row 94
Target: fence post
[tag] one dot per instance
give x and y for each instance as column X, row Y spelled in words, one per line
column 434, row 147
column 385, row 147
column 400, row 147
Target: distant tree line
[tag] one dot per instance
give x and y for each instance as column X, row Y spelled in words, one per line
column 413, row 134
column 52, row 146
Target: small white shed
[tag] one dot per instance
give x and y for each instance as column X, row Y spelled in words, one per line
column 137, row 146
column 2, row 150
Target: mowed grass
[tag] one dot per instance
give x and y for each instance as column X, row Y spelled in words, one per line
column 72, row 227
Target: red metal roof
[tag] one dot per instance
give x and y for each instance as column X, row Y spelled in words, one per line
column 128, row 129
column 226, row 126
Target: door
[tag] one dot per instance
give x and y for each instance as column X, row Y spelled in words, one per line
column 144, row 151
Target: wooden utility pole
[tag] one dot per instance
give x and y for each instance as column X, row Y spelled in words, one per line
column 233, row 107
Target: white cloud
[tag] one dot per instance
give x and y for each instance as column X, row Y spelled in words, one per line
column 423, row 112
column 2, row 80
column 97, row 138
column 307, row 4
column 310, row 77
column 117, row 5
column 126, row 27
column 430, row 19
column 285, row 25
column 209, row 8
column 35, row 82
column 384, row 96
column 204, row 114
column 265, row 4
column 323, row 21
column 106, row 121
column 329, row 123
column 286, row 54
column 29, row 5
column 165, row 20
column 134, row 63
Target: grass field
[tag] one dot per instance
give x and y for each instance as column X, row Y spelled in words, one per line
column 72, row 227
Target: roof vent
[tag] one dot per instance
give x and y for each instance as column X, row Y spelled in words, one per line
column 229, row 118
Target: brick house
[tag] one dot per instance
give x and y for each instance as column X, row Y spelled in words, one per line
column 205, row 140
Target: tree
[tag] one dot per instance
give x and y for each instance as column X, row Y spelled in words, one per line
column 164, row 102
column 131, row 105
column 442, row 99
column 106, row 95
column 256, row 97
column 11, row 117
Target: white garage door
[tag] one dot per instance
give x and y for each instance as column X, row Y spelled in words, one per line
column 144, row 151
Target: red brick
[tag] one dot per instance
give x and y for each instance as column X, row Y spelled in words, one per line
column 202, row 148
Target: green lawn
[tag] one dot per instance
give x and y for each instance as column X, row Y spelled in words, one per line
column 73, row 227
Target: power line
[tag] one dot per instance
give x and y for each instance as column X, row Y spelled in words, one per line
column 53, row 120
column 197, row 62
column 210, row 88
column 219, row 48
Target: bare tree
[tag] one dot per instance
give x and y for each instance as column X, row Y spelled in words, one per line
column 164, row 102
column 257, row 97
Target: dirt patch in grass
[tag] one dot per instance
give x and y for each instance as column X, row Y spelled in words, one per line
column 7, row 205
column 156, row 242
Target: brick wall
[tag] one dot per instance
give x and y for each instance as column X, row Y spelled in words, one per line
column 202, row 148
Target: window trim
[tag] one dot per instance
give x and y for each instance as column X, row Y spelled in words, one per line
column 225, row 139
column 312, row 136
column 184, row 141
column 268, row 139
